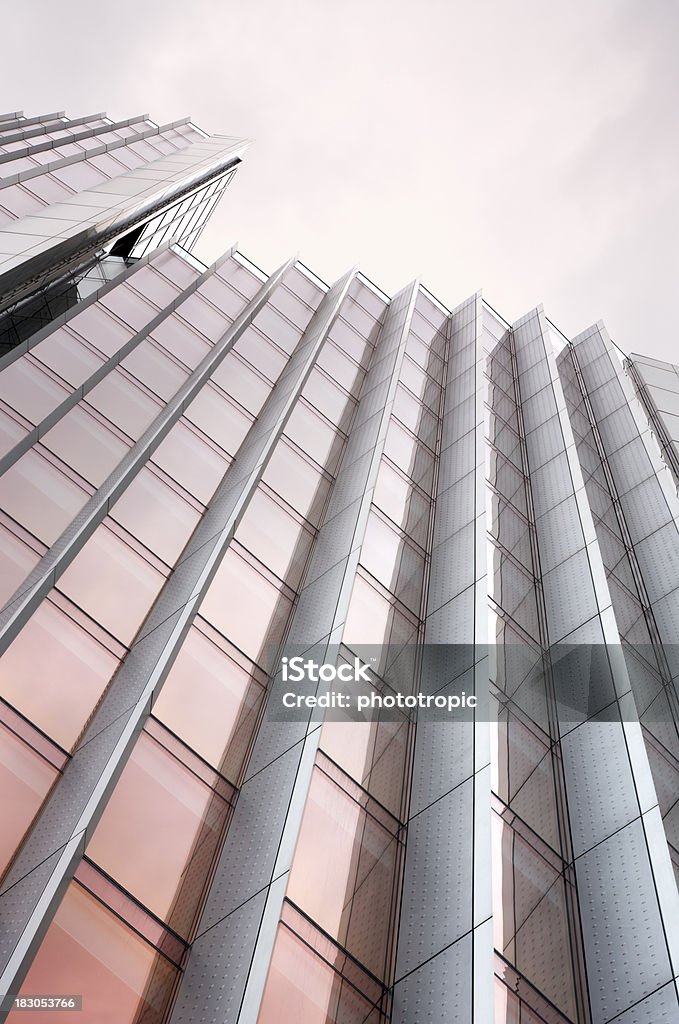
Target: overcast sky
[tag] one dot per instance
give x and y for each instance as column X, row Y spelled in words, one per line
column 527, row 148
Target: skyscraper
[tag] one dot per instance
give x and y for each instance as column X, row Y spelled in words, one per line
column 207, row 470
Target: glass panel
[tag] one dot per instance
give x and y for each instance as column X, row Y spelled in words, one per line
column 78, row 176
column 85, row 444
column 349, row 893
column 154, row 286
column 415, row 416
column 247, row 608
column 374, row 754
column 126, row 405
column 26, row 388
column 191, row 461
column 11, row 432
column 204, row 317
column 314, row 435
column 112, row 583
column 277, row 328
column 16, row 561
column 373, row 619
column 349, row 340
column 160, row 823
column 67, row 356
column 340, row 367
column 40, row 497
column 100, row 329
column 154, row 369
column 254, row 347
column 88, row 950
column 222, row 295
column 273, row 536
column 54, row 673
column 129, row 306
column 302, row 988
column 242, row 383
column 407, row 507
column 156, row 515
column 178, row 338
column 219, row 418
column 398, row 566
column 409, row 455
column 25, row 780
column 297, row 481
column 211, row 702
column 329, row 399
column 529, row 914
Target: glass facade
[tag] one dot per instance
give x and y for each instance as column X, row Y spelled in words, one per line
column 207, row 472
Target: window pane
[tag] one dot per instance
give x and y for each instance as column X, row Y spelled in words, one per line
column 40, row 497
column 67, row 355
column 407, row 507
column 25, row 780
column 343, row 872
column 156, row 515
column 374, row 754
column 178, row 338
column 415, row 416
column 314, row 436
column 329, row 399
column 85, row 444
column 154, row 369
column 54, row 673
column 11, row 432
column 254, row 347
column 154, row 286
column 126, row 405
column 297, row 481
column 26, row 388
column 247, row 608
column 112, row 583
column 373, row 619
column 159, row 818
column 396, row 565
column 409, row 455
column 191, row 461
column 101, row 329
column 240, row 381
column 16, row 561
column 224, row 422
column 340, row 367
column 211, row 702
column 277, row 328
column 88, row 950
column 204, row 317
column 129, row 306
column 273, row 536
column 301, row 988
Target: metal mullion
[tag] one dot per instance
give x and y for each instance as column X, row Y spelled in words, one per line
column 410, row 959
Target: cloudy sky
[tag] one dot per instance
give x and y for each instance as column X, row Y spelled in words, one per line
column 528, row 148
